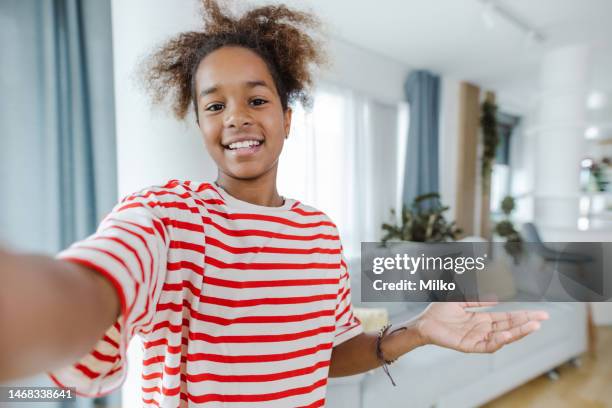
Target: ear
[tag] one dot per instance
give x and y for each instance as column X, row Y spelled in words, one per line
column 287, row 116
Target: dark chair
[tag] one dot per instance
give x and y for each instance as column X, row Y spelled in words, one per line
column 531, row 235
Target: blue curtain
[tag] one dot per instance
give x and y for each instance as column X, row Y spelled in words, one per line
column 57, row 126
column 422, row 90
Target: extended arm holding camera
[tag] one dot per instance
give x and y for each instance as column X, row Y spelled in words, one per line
column 52, row 312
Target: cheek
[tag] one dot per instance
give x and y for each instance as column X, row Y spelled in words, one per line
column 211, row 135
column 275, row 128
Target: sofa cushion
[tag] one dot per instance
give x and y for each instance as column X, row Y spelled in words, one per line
column 563, row 323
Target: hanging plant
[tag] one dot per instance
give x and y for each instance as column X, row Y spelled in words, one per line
column 488, row 122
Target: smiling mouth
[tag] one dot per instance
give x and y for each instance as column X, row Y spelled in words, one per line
column 243, row 145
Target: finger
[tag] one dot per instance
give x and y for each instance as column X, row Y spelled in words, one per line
column 477, row 304
column 529, row 314
column 512, row 340
column 493, row 342
column 518, row 332
column 536, row 315
column 520, row 316
column 506, row 320
column 497, row 339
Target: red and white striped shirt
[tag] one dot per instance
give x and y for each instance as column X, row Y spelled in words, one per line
column 236, row 304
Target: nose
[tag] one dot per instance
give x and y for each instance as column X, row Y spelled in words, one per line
column 237, row 117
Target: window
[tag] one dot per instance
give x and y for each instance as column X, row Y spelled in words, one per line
column 501, row 172
column 341, row 157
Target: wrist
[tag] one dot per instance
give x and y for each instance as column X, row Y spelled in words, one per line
column 401, row 341
column 420, row 324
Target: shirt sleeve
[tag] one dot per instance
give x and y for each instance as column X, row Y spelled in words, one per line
column 347, row 324
column 129, row 249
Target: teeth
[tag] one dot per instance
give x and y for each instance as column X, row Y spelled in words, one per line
column 245, row 143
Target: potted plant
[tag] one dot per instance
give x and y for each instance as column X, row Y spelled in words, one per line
column 505, row 229
column 423, row 221
column 420, row 225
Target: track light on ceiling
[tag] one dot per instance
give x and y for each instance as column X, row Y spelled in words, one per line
column 491, row 12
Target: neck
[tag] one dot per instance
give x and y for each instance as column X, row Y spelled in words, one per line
column 259, row 191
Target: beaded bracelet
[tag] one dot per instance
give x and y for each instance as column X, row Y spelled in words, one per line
column 385, row 363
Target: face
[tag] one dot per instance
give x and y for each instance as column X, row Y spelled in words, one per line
column 240, row 113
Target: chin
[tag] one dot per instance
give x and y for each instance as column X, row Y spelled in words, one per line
column 246, row 172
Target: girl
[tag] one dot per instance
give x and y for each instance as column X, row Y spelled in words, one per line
column 240, row 295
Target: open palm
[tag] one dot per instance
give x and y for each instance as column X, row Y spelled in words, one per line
column 451, row 325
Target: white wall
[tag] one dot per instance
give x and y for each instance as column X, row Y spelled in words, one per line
column 371, row 74
column 152, row 146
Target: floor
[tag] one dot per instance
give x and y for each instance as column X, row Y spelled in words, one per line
column 586, row 386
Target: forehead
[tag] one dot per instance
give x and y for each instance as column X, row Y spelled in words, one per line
column 231, row 65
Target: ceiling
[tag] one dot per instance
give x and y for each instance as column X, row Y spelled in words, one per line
column 450, row 37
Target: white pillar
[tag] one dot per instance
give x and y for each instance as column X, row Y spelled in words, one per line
column 559, row 133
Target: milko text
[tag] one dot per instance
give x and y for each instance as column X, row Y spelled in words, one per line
column 404, row 284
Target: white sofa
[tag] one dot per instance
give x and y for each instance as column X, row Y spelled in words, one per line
column 436, row 377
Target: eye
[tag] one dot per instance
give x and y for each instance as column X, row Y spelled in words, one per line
column 258, row 101
column 214, row 107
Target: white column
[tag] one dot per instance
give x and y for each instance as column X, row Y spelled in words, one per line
column 559, row 133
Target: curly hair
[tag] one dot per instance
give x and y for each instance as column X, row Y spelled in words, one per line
column 279, row 35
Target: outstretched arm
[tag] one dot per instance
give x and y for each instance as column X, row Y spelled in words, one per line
column 444, row 324
column 52, row 312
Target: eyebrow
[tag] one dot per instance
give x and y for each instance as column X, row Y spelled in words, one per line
column 250, row 84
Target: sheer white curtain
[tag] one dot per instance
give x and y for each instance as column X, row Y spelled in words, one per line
column 341, row 157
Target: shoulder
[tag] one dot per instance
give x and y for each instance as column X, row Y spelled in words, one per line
column 164, row 200
column 171, row 190
column 312, row 214
column 175, row 204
